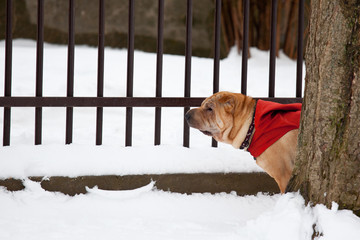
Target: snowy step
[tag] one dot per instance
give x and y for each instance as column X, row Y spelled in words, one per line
column 241, row 183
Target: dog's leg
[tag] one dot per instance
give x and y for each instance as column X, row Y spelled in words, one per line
column 278, row 159
column 276, row 169
column 283, row 181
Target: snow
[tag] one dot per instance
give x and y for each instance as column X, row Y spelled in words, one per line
column 147, row 213
column 336, row 224
column 144, row 213
column 54, row 160
column 139, row 214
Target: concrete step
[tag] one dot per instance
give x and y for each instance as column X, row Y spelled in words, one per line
column 241, row 183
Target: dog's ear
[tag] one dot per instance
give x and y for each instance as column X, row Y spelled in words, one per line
column 228, row 101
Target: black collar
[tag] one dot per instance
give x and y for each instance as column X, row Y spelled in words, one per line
column 249, row 133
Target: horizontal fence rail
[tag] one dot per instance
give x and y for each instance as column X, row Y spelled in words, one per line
column 114, row 101
column 129, row 102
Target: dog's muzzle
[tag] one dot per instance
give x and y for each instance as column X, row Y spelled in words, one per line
column 192, row 122
column 191, row 119
column 188, row 116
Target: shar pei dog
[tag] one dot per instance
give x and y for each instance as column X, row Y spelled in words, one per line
column 266, row 129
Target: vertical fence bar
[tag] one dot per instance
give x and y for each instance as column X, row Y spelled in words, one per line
column 216, row 53
column 8, row 69
column 159, row 66
column 245, row 47
column 188, row 52
column 130, row 73
column 217, row 46
column 300, row 49
column 70, row 72
column 39, row 69
column 274, row 4
column 100, row 82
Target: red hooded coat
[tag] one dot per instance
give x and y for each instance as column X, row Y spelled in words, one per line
column 272, row 121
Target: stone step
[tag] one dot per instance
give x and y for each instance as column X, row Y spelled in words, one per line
column 241, row 183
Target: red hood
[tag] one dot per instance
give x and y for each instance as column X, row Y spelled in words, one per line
column 272, row 121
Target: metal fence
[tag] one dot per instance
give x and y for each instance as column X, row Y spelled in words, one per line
column 38, row 101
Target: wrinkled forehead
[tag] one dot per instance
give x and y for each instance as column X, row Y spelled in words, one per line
column 209, row 102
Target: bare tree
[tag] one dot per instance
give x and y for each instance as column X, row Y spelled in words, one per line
column 327, row 167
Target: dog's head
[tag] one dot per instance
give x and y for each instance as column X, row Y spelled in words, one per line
column 215, row 117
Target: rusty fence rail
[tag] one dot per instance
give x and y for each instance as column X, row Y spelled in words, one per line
column 39, row 101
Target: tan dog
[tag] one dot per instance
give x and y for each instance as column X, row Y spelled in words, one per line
column 229, row 118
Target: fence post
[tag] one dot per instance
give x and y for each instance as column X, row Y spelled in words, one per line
column 39, row 70
column 100, row 83
column 130, row 73
column 245, row 47
column 70, row 72
column 216, row 54
column 188, row 50
column 300, row 49
column 272, row 48
column 8, row 69
column 159, row 67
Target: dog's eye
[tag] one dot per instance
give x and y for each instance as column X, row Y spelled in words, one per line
column 209, row 109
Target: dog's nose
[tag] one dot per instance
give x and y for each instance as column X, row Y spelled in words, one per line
column 188, row 116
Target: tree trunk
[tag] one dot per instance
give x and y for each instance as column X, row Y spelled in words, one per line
column 327, row 167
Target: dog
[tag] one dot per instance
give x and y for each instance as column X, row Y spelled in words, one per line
column 267, row 130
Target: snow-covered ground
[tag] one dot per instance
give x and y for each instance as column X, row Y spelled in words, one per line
column 144, row 213
column 147, row 213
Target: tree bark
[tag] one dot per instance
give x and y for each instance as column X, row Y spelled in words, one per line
column 327, row 167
